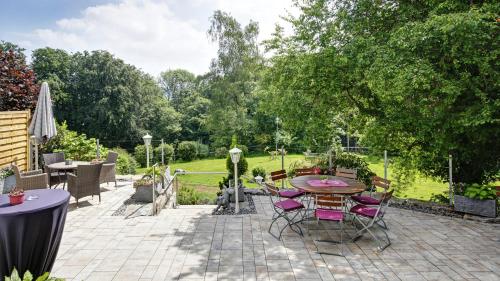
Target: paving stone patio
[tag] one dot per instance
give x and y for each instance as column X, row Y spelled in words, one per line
column 188, row 243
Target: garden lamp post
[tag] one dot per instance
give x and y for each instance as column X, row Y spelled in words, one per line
column 259, row 179
column 277, row 121
column 235, row 158
column 147, row 141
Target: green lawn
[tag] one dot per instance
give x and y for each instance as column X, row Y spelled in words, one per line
column 422, row 188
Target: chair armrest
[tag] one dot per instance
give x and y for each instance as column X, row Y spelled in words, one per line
column 31, row 173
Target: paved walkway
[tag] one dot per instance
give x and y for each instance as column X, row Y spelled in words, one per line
column 190, row 244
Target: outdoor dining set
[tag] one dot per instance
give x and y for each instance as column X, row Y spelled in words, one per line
column 339, row 199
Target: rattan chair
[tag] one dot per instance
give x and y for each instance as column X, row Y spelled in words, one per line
column 108, row 171
column 30, row 180
column 55, row 177
column 86, row 182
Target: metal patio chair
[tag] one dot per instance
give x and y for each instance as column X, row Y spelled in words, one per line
column 331, row 208
column 369, row 200
column 287, row 209
column 284, row 192
column 369, row 216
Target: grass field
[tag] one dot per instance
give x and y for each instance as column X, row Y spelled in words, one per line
column 207, row 185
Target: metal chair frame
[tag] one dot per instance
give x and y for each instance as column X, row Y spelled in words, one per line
column 281, row 213
column 385, row 184
column 331, row 202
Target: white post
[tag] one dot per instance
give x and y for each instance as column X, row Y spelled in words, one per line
column 330, row 163
column 34, row 143
column 348, row 141
column 162, row 153
column 450, row 170
column 282, row 165
column 147, row 156
column 385, row 164
column 236, row 189
column 98, row 151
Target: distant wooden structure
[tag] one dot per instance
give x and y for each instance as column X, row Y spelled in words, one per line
column 14, row 138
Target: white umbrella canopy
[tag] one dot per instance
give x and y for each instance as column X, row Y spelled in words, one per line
column 43, row 124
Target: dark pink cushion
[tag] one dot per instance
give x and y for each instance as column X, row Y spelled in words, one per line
column 365, row 200
column 365, row 211
column 329, row 214
column 290, row 193
column 289, row 205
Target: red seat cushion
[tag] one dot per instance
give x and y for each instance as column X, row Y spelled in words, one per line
column 365, row 200
column 290, row 193
column 329, row 214
column 288, row 205
column 365, row 211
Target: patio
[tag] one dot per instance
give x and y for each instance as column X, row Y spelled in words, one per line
column 188, row 243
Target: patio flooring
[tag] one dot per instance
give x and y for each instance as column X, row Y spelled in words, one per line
column 188, row 243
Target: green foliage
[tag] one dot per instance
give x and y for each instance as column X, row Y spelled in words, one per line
column 187, row 150
column 125, row 164
column 301, row 163
column 244, row 149
column 168, row 153
column 440, row 198
column 259, row 171
column 75, row 146
column 140, row 154
column 6, row 172
column 242, row 166
column 14, row 276
column 221, row 152
column 202, row 150
column 480, row 192
column 349, row 161
column 188, row 196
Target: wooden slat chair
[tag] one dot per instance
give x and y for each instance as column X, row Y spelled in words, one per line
column 368, row 200
column 288, row 209
column 346, row 173
column 286, row 193
column 305, row 172
column 368, row 217
column 331, row 208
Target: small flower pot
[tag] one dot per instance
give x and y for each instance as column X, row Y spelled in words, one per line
column 16, row 199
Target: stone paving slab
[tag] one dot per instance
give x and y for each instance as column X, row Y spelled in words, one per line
column 188, row 243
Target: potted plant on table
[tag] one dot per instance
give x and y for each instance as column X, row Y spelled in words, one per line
column 7, row 179
column 16, row 196
column 476, row 199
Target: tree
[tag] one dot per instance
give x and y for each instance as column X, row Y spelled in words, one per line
column 18, row 86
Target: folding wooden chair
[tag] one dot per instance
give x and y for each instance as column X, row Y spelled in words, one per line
column 368, row 200
column 279, row 175
column 305, row 172
column 346, row 173
column 287, row 209
column 369, row 216
column 331, row 208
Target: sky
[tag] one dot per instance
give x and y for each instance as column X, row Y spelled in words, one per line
column 153, row 35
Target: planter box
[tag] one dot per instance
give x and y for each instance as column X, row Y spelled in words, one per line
column 7, row 184
column 144, row 193
column 486, row 208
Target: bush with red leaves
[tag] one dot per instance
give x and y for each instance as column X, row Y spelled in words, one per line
column 18, row 87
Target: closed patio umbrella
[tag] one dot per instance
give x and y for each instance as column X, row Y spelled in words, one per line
column 43, row 125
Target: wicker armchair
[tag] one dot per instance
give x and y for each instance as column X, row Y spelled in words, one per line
column 30, row 180
column 108, row 171
column 86, row 183
column 55, row 177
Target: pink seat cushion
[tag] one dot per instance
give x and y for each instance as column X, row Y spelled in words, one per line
column 288, row 205
column 365, row 200
column 365, row 211
column 329, row 214
column 290, row 193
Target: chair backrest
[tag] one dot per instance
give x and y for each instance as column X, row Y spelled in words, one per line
column 498, row 190
column 278, row 175
column 329, row 201
column 88, row 175
column 304, row 172
column 346, row 173
column 381, row 182
column 17, row 172
column 112, row 157
column 272, row 189
column 51, row 158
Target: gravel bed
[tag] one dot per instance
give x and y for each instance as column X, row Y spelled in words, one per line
column 131, row 208
column 243, row 211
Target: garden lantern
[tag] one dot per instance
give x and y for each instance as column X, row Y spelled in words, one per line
column 147, row 141
column 235, row 158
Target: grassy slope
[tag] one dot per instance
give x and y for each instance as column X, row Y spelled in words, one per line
column 423, row 188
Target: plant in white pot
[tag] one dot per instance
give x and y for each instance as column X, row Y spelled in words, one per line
column 7, row 180
column 477, row 199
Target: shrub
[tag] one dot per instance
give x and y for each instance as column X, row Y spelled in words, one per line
column 259, row 171
column 202, row 150
column 221, row 152
column 353, row 161
column 140, row 155
column 125, row 164
column 298, row 164
column 75, row 146
column 242, row 166
column 187, row 150
column 168, row 151
column 188, row 196
column 244, row 149
column 480, row 192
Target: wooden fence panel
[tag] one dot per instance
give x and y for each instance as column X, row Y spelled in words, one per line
column 14, row 138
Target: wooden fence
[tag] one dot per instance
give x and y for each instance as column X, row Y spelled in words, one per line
column 14, row 138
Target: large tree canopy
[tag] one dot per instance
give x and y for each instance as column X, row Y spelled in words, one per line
column 419, row 78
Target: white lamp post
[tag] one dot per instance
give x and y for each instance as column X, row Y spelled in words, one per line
column 277, row 121
column 147, row 141
column 235, row 158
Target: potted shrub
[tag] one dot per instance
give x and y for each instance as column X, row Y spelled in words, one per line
column 144, row 186
column 477, row 200
column 7, row 180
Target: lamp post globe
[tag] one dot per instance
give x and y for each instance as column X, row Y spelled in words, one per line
column 235, row 154
column 147, row 141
